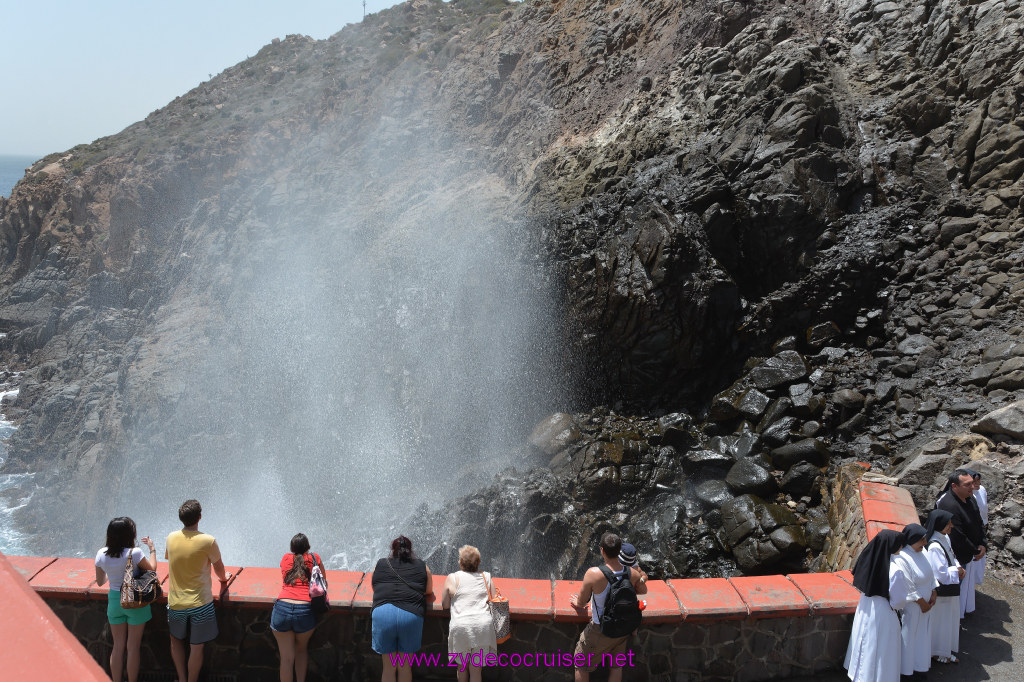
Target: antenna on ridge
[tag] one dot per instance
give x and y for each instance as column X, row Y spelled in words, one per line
column 364, row 9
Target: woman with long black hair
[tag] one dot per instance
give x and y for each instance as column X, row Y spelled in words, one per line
column 292, row 621
column 126, row 625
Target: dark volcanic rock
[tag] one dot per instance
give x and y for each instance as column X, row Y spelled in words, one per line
column 713, row 493
column 801, row 479
column 811, row 450
column 747, row 476
column 786, row 367
column 777, row 217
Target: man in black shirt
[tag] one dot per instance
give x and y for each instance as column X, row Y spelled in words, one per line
column 968, row 535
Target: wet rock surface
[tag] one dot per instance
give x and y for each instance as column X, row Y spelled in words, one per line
column 784, row 237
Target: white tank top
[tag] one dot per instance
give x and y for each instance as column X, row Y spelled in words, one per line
column 597, row 600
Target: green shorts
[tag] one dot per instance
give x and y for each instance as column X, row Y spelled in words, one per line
column 117, row 616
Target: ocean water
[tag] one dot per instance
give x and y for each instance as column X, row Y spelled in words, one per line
column 12, row 169
column 15, row 489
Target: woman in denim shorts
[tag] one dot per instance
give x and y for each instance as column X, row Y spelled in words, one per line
column 293, row 620
column 126, row 625
column 400, row 582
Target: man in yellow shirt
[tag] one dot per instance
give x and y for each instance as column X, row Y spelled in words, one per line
column 190, row 554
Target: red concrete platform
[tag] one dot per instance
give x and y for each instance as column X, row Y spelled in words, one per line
column 845, row 575
column 253, row 587
column 342, row 586
column 527, row 599
column 29, row 566
column 362, row 601
column 889, row 512
column 66, row 578
column 662, row 604
column 434, row 599
column 36, row 645
column 827, row 593
column 703, row 599
column 881, row 492
column 564, row 613
column 220, row 590
column 771, row 596
column 873, row 527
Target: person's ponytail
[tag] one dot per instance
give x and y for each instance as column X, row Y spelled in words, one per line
column 299, row 571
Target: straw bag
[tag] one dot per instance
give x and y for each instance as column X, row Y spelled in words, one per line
column 500, row 616
column 140, row 591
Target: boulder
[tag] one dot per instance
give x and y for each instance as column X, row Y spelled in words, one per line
column 816, row 532
column 755, row 555
column 811, row 450
column 555, row 433
column 849, row 398
column 751, row 405
column 778, row 433
column 924, row 469
column 698, row 459
column 739, row 518
column 714, row 493
column 746, row 476
column 723, row 405
column 1006, row 421
column 786, row 367
column 790, row 540
column 805, row 402
column 1008, row 382
column 801, row 479
column 915, row 344
column 772, row 516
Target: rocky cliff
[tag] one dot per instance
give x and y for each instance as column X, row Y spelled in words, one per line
column 776, row 235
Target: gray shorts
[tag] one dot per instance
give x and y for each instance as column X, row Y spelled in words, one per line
column 200, row 622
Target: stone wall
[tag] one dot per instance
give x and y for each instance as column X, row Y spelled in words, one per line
column 742, row 628
column 864, row 502
column 741, row 649
column 846, row 518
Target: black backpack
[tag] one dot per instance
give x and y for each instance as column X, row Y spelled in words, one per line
column 621, row 614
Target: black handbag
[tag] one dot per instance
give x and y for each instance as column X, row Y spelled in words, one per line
column 139, row 591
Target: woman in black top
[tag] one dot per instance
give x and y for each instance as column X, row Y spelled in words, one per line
column 401, row 582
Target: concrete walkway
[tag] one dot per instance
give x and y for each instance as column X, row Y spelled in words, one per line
column 986, row 641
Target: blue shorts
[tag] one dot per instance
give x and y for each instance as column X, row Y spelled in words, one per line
column 396, row 631
column 198, row 624
column 291, row 617
column 116, row 615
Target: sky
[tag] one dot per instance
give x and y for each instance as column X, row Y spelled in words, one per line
column 76, row 70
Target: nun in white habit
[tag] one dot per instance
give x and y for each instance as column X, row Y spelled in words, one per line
column 916, row 654
column 981, row 497
column 873, row 654
column 945, row 615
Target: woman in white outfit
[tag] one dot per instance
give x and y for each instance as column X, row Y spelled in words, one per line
column 916, row 654
column 471, row 628
column 873, row 654
column 945, row 615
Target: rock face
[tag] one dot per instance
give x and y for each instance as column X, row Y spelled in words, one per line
column 778, row 237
